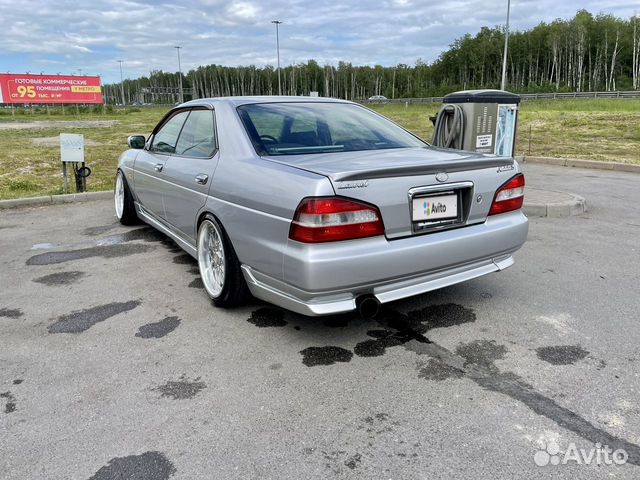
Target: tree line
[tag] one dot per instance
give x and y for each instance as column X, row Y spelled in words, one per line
column 585, row 53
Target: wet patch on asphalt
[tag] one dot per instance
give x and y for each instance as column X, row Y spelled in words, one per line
column 184, row 259
column 381, row 438
column 100, row 229
column 159, row 329
column 146, row 234
column 60, row 278
column 147, row 466
column 106, row 251
column 81, row 320
column 482, row 353
column 398, row 329
column 267, row 317
column 354, row 461
column 10, row 405
column 182, row 389
column 171, row 246
column 18, row 381
column 315, row 356
column 475, row 360
column 441, row 316
column 383, row 339
column 437, row 371
column 562, row 354
column 10, row 313
column 337, row 321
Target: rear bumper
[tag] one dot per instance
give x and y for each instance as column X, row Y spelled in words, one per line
column 324, row 279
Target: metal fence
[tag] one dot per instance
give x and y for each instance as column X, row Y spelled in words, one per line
column 526, row 96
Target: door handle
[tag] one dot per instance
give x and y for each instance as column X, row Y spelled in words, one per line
column 202, row 179
column 158, row 167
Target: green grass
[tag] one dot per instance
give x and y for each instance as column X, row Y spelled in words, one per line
column 29, row 169
column 591, row 129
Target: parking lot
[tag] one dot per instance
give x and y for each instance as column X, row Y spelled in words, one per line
column 114, row 362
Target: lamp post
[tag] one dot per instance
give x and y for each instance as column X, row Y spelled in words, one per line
column 277, row 23
column 180, row 74
column 506, row 48
column 121, row 83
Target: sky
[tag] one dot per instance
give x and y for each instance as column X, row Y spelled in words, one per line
column 75, row 37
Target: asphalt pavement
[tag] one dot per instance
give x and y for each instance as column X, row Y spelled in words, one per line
column 114, row 363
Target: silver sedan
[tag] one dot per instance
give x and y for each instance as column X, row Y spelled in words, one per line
column 320, row 206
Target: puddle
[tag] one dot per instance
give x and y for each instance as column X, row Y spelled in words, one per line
column 10, row 313
column 481, row 352
column 60, row 278
column 182, row 389
column 149, row 465
column 438, row 371
column 267, row 317
column 383, row 339
column 109, row 251
column 562, row 354
column 10, row 405
column 82, row 320
column 314, row 356
column 159, row 329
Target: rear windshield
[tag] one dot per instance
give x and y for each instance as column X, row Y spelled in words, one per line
column 302, row 128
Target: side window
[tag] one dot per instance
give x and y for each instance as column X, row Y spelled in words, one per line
column 198, row 136
column 165, row 140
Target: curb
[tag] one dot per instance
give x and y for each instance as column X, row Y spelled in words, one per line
column 573, row 205
column 54, row 199
column 574, row 162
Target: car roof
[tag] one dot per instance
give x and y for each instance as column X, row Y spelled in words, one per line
column 236, row 101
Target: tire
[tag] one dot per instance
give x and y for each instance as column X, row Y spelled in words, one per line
column 125, row 208
column 219, row 266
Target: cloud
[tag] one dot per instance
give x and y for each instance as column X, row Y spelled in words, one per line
column 94, row 35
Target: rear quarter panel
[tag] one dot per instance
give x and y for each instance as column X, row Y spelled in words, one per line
column 255, row 199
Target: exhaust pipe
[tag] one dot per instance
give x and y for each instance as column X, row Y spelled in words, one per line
column 368, row 306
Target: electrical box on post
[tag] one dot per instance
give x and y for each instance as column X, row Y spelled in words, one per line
column 483, row 121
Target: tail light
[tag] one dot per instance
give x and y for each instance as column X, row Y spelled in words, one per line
column 331, row 219
column 509, row 197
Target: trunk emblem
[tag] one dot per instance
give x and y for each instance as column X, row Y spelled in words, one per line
column 442, row 177
column 359, row 184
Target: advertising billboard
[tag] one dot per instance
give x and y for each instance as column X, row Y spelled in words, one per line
column 17, row 88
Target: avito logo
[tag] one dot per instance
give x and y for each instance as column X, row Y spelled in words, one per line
column 438, row 208
column 430, row 209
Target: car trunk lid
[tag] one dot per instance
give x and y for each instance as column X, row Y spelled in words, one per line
column 392, row 179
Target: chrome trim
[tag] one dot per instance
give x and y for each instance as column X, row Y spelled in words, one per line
column 439, row 188
column 202, row 179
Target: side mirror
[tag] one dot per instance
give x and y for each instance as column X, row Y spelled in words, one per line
column 136, row 141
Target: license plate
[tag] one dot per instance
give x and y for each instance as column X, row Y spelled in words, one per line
column 436, row 207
